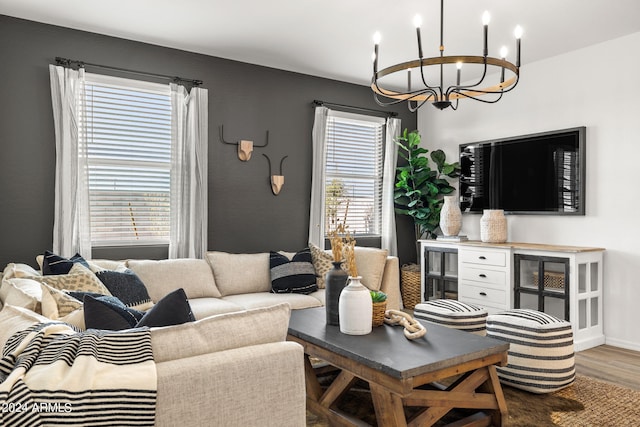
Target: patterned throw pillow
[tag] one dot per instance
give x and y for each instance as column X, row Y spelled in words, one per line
column 79, row 279
column 57, row 304
column 292, row 276
column 322, row 263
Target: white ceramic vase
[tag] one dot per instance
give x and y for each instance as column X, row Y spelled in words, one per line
column 450, row 216
column 493, row 226
column 355, row 308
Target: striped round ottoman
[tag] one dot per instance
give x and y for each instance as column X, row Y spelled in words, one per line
column 453, row 314
column 541, row 358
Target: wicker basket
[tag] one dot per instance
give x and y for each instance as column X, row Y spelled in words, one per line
column 379, row 309
column 552, row 279
column 410, row 285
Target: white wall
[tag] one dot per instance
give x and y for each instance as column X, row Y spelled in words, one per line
column 597, row 87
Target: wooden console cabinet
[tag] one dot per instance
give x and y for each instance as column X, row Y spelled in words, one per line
column 565, row 281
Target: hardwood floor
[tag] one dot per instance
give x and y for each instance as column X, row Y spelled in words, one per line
column 612, row 364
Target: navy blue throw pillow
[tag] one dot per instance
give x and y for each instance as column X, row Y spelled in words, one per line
column 127, row 286
column 55, row 264
column 292, row 276
column 172, row 309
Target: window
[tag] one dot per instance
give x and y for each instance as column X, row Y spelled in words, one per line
column 353, row 172
column 125, row 126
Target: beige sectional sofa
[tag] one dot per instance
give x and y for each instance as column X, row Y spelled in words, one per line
column 233, row 365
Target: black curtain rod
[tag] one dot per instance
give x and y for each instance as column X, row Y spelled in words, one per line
column 317, row 103
column 81, row 64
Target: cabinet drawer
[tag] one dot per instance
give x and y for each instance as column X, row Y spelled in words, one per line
column 494, row 258
column 480, row 294
column 481, row 275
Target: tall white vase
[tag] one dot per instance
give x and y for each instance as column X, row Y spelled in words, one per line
column 450, row 216
column 493, row 226
column 355, row 308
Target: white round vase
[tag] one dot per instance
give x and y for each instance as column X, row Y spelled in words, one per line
column 493, row 226
column 355, row 308
column 450, row 216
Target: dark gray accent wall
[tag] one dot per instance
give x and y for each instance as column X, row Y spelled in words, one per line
column 244, row 216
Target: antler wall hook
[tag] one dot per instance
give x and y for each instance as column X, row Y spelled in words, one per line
column 245, row 148
column 277, row 181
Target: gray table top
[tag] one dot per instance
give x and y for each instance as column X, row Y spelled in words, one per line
column 386, row 348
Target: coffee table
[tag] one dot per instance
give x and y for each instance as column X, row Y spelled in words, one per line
column 400, row 372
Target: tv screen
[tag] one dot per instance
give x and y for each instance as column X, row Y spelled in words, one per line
column 542, row 173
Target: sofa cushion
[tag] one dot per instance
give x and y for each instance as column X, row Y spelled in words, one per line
column 205, row 307
column 266, row 299
column 295, row 275
column 167, row 275
column 127, row 287
column 370, row 263
column 15, row 319
column 240, row 273
column 21, row 292
column 55, row 264
column 219, row 333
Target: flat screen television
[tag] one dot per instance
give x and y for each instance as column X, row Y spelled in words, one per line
column 542, row 173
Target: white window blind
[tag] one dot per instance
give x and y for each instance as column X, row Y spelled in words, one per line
column 353, row 172
column 126, row 130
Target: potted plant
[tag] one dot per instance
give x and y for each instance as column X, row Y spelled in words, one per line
column 419, row 193
column 379, row 301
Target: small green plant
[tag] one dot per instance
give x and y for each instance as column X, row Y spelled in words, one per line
column 378, row 296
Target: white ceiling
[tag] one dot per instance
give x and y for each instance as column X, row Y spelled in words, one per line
column 333, row 38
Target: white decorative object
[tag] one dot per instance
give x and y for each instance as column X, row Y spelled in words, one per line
column 355, row 308
column 493, row 226
column 450, row 216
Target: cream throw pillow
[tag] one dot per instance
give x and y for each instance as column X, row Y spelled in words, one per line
column 21, row 292
column 322, row 263
column 240, row 273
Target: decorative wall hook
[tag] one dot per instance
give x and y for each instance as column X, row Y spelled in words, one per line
column 277, row 181
column 245, row 148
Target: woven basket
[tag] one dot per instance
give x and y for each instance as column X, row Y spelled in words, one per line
column 379, row 309
column 493, row 226
column 551, row 279
column 410, row 282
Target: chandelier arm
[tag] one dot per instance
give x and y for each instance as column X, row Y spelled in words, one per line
column 451, row 89
column 483, row 91
column 418, row 105
column 424, row 82
column 391, row 94
column 475, row 98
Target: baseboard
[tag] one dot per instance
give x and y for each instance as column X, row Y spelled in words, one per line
column 588, row 343
column 623, row 344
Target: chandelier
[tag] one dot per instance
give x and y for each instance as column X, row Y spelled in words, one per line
column 433, row 89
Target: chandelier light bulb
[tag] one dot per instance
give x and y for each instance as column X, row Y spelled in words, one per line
column 417, row 21
column 459, row 65
column 377, row 37
column 518, row 32
column 503, row 52
column 486, row 18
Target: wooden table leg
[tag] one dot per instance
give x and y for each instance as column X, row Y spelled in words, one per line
column 388, row 406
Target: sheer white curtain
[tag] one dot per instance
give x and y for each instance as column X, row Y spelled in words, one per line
column 71, row 224
column 389, row 240
column 188, row 235
column 316, row 214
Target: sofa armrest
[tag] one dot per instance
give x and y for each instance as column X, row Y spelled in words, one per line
column 391, row 282
column 261, row 385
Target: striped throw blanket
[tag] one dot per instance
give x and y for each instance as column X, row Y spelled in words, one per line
column 53, row 375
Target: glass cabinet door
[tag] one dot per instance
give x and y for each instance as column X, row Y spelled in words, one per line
column 441, row 273
column 542, row 283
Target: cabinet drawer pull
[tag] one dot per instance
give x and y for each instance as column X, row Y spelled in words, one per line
column 484, row 276
column 484, row 294
column 482, row 257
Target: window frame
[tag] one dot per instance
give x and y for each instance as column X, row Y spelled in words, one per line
column 162, row 167
column 377, row 176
